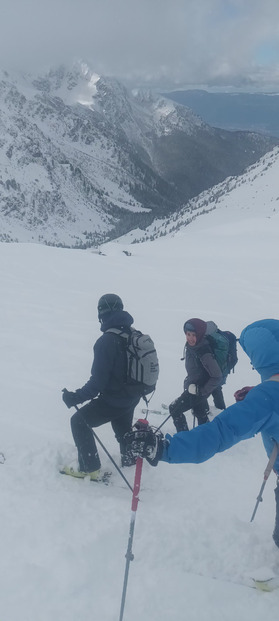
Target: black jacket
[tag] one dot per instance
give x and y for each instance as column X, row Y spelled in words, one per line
column 109, row 368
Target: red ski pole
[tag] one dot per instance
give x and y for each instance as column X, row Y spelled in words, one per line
column 135, row 499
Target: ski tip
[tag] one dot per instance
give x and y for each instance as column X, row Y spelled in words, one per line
column 268, row 585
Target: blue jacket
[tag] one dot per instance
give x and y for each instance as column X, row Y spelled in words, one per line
column 259, row 412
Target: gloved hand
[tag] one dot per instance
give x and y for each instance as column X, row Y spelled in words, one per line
column 178, row 405
column 144, row 442
column 193, row 389
column 239, row 395
column 69, row 398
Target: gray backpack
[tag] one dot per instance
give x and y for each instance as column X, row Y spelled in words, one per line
column 142, row 359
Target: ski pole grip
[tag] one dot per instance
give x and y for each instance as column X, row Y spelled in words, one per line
column 142, row 423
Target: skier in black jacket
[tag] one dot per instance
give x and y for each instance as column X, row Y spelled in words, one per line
column 110, row 398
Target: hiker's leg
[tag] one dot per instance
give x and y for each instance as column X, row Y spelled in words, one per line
column 218, row 398
column 121, row 425
column 91, row 415
column 177, row 407
column 180, row 422
column 200, row 409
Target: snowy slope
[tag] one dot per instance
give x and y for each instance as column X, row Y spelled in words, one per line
column 251, row 194
column 63, row 541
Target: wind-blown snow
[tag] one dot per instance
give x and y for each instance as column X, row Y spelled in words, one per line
column 63, row 541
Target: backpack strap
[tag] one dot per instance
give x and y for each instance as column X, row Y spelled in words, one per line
column 123, row 337
column 124, row 333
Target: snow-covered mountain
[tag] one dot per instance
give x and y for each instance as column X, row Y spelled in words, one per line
column 256, row 191
column 83, row 160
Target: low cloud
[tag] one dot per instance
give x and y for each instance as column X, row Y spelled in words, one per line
column 175, row 42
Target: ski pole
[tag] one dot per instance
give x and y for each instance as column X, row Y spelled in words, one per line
column 108, row 454
column 267, row 472
column 129, row 554
column 165, row 407
column 164, row 421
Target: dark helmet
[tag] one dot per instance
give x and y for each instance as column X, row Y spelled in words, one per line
column 109, row 303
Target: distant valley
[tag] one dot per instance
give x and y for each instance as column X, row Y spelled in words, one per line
column 256, row 112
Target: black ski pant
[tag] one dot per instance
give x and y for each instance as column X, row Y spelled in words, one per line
column 218, row 398
column 196, row 403
column 95, row 414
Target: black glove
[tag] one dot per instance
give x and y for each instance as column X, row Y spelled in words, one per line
column 144, row 442
column 69, row 398
column 179, row 405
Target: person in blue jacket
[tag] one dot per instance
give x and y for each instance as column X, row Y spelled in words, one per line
column 256, row 412
column 110, row 398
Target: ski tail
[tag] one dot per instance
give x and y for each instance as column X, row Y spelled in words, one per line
column 147, row 411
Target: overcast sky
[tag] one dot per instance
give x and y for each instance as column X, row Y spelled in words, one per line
column 172, row 43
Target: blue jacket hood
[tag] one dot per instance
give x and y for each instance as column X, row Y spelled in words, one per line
column 260, row 341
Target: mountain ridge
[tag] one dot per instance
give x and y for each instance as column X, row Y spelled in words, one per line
column 82, row 160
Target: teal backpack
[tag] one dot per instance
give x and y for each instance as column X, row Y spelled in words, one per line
column 224, row 349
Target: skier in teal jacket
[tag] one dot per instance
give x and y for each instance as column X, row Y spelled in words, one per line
column 257, row 411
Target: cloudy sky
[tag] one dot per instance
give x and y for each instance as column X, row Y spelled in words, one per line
column 164, row 43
